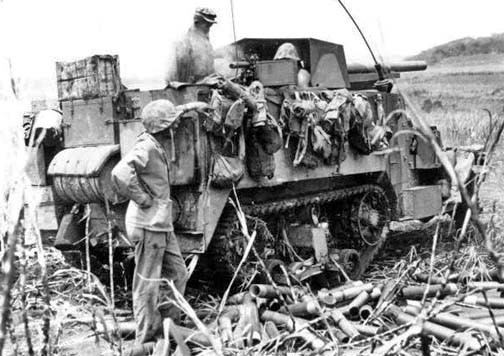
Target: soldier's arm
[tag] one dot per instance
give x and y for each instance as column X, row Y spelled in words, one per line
column 125, row 176
column 198, row 106
column 236, row 92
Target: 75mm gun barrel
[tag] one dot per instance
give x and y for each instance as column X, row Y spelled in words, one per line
column 406, row 66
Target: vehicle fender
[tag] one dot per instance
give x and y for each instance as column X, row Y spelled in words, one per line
column 212, row 203
column 82, row 174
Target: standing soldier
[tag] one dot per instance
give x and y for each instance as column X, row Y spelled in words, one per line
column 143, row 176
column 194, row 53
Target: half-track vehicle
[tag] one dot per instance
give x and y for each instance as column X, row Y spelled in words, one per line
column 321, row 170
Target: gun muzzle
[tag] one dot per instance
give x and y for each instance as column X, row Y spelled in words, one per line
column 239, row 65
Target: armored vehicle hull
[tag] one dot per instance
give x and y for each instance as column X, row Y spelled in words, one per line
column 341, row 170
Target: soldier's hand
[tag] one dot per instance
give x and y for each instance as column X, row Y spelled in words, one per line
column 213, row 80
column 147, row 202
column 205, row 110
column 198, row 106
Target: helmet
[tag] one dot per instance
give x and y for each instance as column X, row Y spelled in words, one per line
column 287, row 51
column 205, row 14
column 158, row 115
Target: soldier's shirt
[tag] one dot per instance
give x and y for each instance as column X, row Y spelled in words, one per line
column 195, row 57
column 143, row 176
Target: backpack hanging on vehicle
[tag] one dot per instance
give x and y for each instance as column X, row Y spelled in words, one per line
column 259, row 162
column 270, row 136
column 321, row 142
column 227, row 114
column 265, row 127
column 297, row 115
column 336, row 123
column 360, row 121
column 225, row 171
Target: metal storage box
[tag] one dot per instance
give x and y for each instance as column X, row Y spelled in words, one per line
column 88, row 78
column 277, row 73
column 422, row 201
column 90, row 122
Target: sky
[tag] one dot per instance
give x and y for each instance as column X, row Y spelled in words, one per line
column 36, row 33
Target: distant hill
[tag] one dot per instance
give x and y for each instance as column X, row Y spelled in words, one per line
column 467, row 46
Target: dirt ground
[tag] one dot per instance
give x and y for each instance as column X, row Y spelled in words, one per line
column 72, row 330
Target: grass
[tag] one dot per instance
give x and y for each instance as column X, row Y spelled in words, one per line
column 452, row 96
column 462, row 84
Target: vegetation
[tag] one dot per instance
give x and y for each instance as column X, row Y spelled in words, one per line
column 453, row 96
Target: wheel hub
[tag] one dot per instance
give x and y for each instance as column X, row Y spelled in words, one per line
column 370, row 216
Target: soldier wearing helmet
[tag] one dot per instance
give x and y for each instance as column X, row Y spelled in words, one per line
column 143, row 176
column 194, row 53
column 288, row 51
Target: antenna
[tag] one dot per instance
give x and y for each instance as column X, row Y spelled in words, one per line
column 378, row 66
column 234, row 33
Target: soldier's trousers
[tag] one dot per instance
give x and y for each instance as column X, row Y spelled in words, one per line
column 157, row 256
